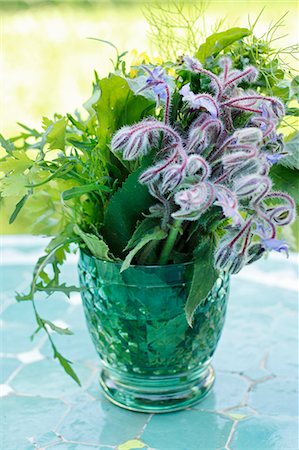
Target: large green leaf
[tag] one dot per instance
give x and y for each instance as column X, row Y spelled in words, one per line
column 218, row 41
column 125, row 208
column 204, row 276
column 147, row 231
column 286, row 180
column 117, row 106
column 292, row 147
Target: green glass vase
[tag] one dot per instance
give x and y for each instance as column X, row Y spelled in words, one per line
column 152, row 360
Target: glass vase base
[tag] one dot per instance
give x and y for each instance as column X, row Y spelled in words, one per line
column 159, row 394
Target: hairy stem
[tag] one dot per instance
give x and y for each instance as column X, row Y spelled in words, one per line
column 170, row 241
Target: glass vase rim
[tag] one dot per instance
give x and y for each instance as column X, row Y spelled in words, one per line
column 136, row 266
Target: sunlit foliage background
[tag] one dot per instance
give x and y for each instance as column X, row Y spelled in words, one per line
column 48, row 62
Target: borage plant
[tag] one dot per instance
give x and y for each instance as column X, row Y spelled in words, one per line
column 170, row 166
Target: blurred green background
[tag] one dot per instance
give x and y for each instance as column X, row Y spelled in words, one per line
column 48, row 62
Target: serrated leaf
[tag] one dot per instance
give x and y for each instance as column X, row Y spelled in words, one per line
column 117, row 106
column 56, row 135
column 96, row 246
column 204, row 276
column 124, row 210
column 145, row 233
column 16, row 164
column 219, row 41
column 14, row 185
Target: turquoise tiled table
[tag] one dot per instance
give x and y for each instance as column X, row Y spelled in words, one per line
column 253, row 405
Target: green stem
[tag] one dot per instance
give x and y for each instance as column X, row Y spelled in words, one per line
column 170, row 241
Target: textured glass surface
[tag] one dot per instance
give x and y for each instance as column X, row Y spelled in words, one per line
column 153, row 360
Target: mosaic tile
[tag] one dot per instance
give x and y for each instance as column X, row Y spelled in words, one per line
column 101, row 423
column 277, row 397
column 187, row 430
column 8, row 365
column 28, row 417
column 46, row 379
column 229, row 390
column 266, row 433
column 260, row 341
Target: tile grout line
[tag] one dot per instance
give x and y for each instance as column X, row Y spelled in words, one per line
column 231, row 435
column 138, row 436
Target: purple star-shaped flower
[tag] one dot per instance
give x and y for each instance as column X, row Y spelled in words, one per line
column 273, row 159
column 275, row 244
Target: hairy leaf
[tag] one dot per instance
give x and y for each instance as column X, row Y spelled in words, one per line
column 218, row 41
column 204, row 276
column 125, row 208
column 292, row 147
column 286, row 180
column 117, row 106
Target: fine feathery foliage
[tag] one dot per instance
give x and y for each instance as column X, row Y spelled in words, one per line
column 180, row 162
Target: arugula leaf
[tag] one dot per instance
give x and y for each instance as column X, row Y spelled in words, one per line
column 6, row 144
column 57, row 329
column 218, row 41
column 204, row 276
column 146, row 232
column 96, row 246
column 18, row 208
column 80, row 190
column 66, row 364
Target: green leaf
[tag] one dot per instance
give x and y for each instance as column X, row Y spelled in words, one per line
column 292, row 112
column 125, row 208
column 6, row 144
column 146, row 232
column 81, row 190
column 66, row 364
column 56, row 134
column 218, row 41
column 204, row 276
column 96, row 246
column 84, row 146
column 63, row 288
column 286, row 180
column 18, row 208
column 292, row 147
column 117, row 106
column 18, row 163
column 57, row 329
column 295, row 88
